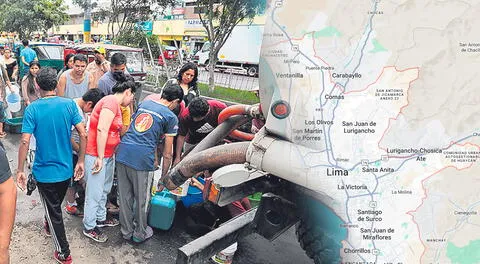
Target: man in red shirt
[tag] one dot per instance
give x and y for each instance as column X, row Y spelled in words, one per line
column 196, row 122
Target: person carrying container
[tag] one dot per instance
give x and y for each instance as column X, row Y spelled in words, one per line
column 4, row 81
column 136, row 158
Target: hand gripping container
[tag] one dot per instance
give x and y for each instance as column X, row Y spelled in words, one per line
column 194, row 195
column 162, row 210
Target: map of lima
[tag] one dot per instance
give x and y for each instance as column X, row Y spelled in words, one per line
column 385, row 95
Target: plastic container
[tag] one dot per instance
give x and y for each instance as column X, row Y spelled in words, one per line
column 226, row 256
column 15, row 106
column 182, row 190
column 194, row 195
column 162, row 210
column 255, row 199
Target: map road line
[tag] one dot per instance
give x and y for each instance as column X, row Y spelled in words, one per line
column 400, row 112
column 378, row 78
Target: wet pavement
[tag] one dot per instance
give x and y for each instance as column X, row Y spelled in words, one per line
column 29, row 245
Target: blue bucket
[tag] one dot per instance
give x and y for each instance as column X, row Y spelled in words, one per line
column 194, row 195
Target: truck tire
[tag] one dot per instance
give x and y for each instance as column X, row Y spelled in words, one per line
column 316, row 242
column 252, row 71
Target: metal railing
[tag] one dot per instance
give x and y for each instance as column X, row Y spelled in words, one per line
column 230, row 78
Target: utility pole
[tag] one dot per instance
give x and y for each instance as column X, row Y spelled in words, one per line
column 87, row 21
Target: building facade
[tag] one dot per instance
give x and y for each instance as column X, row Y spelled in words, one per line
column 179, row 26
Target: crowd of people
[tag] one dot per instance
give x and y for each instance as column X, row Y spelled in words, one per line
column 83, row 129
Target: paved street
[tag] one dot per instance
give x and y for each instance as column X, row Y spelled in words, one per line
column 29, row 245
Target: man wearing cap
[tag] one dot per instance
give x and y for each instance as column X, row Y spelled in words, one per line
column 99, row 66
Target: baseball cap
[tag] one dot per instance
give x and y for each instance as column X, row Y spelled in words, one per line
column 100, row 50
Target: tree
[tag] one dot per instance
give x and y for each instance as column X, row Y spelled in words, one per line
column 122, row 15
column 137, row 38
column 219, row 17
column 26, row 16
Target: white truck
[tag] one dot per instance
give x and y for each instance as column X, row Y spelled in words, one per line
column 240, row 53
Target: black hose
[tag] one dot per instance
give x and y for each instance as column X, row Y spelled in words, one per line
column 219, row 133
column 219, row 156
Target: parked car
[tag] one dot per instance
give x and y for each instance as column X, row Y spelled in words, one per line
column 135, row 59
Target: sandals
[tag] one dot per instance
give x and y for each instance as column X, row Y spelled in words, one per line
column 3, row 134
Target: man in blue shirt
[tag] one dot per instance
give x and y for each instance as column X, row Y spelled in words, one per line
column 27, row 55
column 137, row 157
column 50, row 119
column 117, row 73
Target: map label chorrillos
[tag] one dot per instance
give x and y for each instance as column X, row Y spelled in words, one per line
column 346, row 75
column 356, row 250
